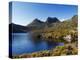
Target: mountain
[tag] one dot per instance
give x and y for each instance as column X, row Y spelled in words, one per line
column 51, row 23
column 75, row 19
column 36, row 24
column 52, row 20
column 59, row 30
column 17, row 28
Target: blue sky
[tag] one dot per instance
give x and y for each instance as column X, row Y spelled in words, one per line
column 23, row 13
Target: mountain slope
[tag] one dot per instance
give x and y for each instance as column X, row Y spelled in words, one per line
column 59, row 30
column 37, row 24
column 17, row 28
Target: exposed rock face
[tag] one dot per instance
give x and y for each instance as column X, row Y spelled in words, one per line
column 52, row 20
column 67, row 38
column 36, row 24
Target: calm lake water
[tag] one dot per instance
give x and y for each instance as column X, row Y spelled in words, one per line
column 22, row 43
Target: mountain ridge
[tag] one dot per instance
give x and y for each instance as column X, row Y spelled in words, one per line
column 37, row 24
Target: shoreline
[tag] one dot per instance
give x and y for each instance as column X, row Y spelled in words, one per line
column 57, row 51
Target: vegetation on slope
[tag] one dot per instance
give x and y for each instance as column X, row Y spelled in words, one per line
column 58, row 30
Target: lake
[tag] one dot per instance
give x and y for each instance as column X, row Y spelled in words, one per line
column 22, row 43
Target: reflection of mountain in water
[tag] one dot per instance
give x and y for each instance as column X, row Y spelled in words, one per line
column 23, row 44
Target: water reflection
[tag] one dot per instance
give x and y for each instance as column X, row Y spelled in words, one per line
column 23, row 43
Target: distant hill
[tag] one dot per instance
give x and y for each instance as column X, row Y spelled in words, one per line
column 17, row 28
